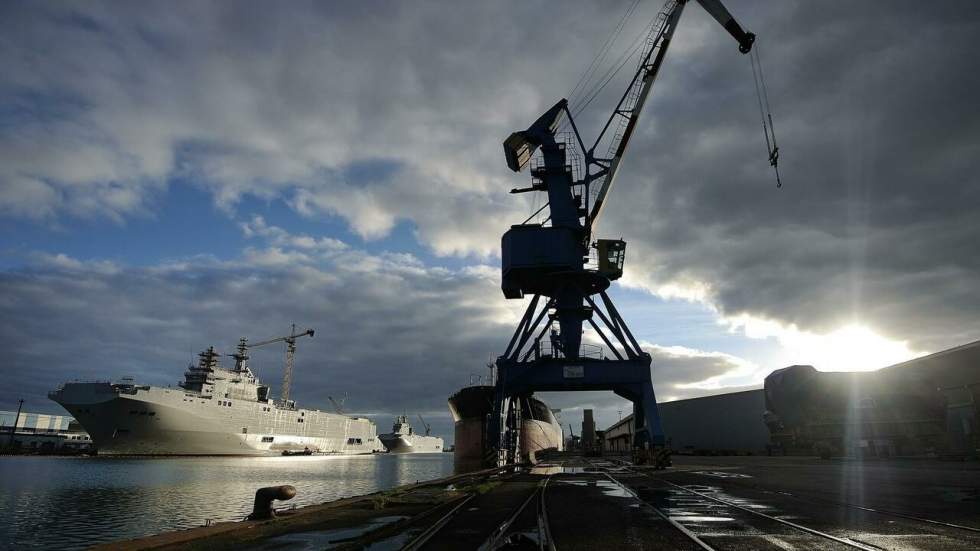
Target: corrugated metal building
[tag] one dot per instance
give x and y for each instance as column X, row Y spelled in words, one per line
column 726, row 423
column 929, row 405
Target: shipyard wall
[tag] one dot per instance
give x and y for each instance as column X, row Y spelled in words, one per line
column 726, row 423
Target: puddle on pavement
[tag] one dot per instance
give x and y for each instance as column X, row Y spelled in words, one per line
column 699, row 518
column 322, row 539
column 613, row 489
column 550, row 468
column 722, row 474
column 571, row 482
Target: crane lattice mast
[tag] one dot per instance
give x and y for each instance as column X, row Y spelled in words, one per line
column 426, row 425
column 290, row 340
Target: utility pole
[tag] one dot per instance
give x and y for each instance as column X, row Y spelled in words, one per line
column 13, row 429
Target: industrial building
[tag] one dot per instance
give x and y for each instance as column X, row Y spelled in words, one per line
column 726, row 423
column 925, row 406
column 39, row 432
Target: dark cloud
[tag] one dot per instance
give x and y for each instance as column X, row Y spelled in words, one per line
column 880, row 155
column 392, row 334
column 380, row 321
column 104, row 106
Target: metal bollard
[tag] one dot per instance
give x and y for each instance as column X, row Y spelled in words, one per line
column 263, row 501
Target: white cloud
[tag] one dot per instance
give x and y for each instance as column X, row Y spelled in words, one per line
column 277, row 236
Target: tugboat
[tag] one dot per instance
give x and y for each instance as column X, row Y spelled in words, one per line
column 403, row 439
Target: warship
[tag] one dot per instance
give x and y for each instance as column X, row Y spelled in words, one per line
column 403, row 439
column 213, row 411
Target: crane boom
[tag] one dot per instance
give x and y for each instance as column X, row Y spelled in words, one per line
column 424, row 424
column 290, row 340
column 339, row 408
column 721, row 14
column 283, row 339
column 631, row 104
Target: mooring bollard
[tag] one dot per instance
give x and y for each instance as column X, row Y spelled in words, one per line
column 263, row 501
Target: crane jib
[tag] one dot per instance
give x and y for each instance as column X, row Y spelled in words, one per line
column 553, row 262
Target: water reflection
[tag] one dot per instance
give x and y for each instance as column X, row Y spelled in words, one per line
column 68, row 503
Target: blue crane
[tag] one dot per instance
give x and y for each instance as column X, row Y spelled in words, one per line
column 550, row 261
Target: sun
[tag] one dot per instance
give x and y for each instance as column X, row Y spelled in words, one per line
column 853, row 347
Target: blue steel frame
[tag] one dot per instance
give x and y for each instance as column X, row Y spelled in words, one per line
column 523, row 370
column 550, row 262
column 562, row 276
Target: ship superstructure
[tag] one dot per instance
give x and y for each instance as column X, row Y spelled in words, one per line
column 403, row 438
column 213, row 411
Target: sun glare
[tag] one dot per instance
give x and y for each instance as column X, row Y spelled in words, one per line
column 850, row 348
column 853, row 347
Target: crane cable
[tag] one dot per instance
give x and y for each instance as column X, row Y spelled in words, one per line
column 600, row 56
column 762, row 95
column 585, row 92
column 627, row 54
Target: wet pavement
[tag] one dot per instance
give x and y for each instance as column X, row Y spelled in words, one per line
column 764, row 503
column 724, row 503
column 589, row 511
column 800, row 503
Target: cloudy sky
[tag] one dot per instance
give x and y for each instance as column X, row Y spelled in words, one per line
column 175, row 175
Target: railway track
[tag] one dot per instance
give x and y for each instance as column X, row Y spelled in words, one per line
column 812, row 498
column 689, row 526
column 525, row 526
column 683, row 512
column 708, row 494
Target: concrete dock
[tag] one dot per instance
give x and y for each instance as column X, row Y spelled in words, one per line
column 572, row 502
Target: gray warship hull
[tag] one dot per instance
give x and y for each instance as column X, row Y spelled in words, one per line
column 145, row 420
column 399, row 443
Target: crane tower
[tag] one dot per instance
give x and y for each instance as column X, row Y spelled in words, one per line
column 290, row 340
column 551, row 261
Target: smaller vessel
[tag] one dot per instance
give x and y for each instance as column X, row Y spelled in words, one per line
column 304, row 451
column 403, row 439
